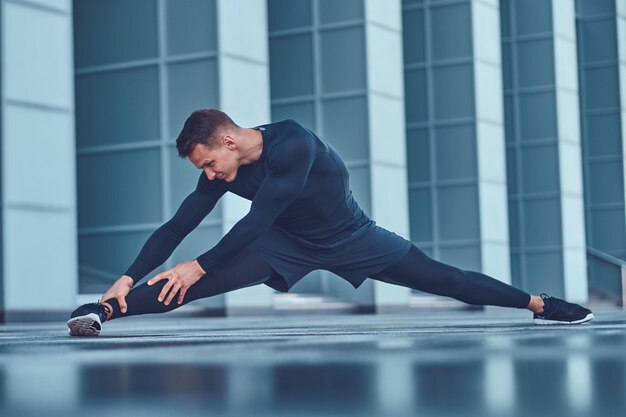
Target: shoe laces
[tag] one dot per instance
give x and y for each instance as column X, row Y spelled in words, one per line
column 555, row 303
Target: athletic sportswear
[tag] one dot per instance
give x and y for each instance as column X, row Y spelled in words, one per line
column 302, row 214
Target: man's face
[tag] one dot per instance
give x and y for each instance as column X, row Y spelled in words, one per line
column 217, row 163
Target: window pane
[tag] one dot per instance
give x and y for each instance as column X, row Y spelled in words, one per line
column 599, row 40
column 114, row 31
column 117, row 107
column 538, row 116
column 458, row 208
column 505, row 18
column 199, row 241
column 416, row 96
column 535, row 63
column 456, row 152
column 119, row 188
column 532, row 16
column 540, row 169
column 604, row 223
column 544, row 273
column 587, row 8
column 191, row 86
column 604, row 135
column 601, row 88
column 454, row 92
column 509, row 119
column 191, row 26
column 449, row 43
column 418, row 155
column 343, row 60
column 108, row 253
column 413, row 36
column 288, row 14
column 349, row 139
column 543, row 222
column 304, row 113
column 332, row 11
column 507, row 75
column 465, row 257
column 291, row 66
column 420, row 215
column 605, row 182
column 514, row 235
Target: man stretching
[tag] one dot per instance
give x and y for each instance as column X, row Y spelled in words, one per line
column 303, row 217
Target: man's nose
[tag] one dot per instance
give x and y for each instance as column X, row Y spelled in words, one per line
column 209, row 173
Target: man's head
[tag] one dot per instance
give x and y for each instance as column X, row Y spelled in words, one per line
column 207, row 127
column 214, row 144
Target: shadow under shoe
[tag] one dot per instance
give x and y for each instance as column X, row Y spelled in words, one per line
column 87, row 319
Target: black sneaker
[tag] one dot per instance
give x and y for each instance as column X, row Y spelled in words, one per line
column 87, row 319
column 557, row 311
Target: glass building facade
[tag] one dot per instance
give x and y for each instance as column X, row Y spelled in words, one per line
column 489, row 133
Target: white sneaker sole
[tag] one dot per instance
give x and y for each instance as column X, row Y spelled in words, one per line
column 88, row 325
column 589, row 317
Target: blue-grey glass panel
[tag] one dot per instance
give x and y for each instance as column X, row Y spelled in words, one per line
column 360, row 187
column 451, row 33
column 511, row 170
column 332, row 11
column 537, row 116
column 343, row 60
column 454, row 92
column 509, row 119
column 514, row 235
column 601, row 87
column 586, row 8
column 304, row 113
column 411, row 2
column 544, row 273
column 516, row 271
column 418, row 155
column 110, row 253
column 455, row 147
column 191, row 26
column 604, row 223
column 605, row 182
column 183, row 180
column 540, row 168
column 291, row 66
column 507, row 75
column 505, row 18
column 192, row 85
column 415, row 96
column 107, row 32
column 599, row 40
column 350, row 139
column 413, row 36
column 119, row 188
column 117, row 107
column 604, row 135
column 421, row 221
column 535, row 63
column 542, row 220
column 288, row 14
column 532, row 16
column 464, row 257
column 458, row 212
column 197, row 242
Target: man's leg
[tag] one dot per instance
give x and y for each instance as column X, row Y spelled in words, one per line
column 418, row 271
column 245, row 270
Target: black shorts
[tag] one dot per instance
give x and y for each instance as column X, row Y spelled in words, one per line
column 369, row 250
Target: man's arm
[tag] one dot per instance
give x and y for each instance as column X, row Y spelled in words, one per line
column 289, row 163
column 166, row 238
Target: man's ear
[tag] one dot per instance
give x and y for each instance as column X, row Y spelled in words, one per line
column 229, row 142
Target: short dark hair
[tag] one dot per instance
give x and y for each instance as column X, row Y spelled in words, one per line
column 203, row 126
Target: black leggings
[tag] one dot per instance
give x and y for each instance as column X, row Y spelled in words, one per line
column 416, row 270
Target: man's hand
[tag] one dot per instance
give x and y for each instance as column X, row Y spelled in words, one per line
column 180, row 278
column 119, row 291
